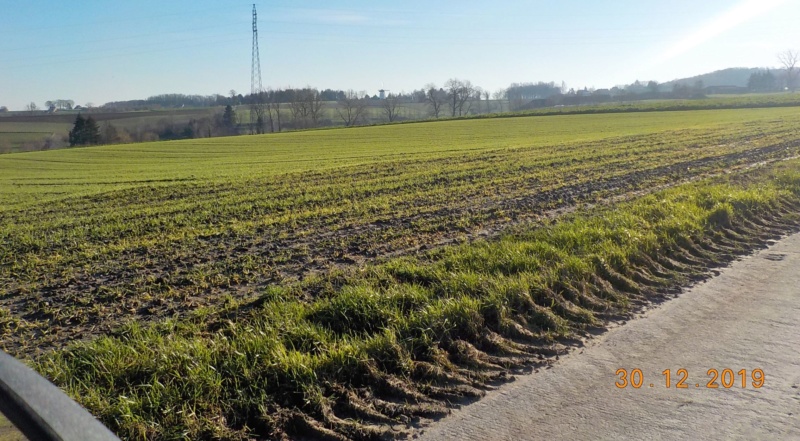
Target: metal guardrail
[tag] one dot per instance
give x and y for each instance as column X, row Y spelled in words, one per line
column 40, row 410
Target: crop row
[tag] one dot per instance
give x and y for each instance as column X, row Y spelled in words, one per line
column 350, row 353
column 76, row 267
column 31, row 179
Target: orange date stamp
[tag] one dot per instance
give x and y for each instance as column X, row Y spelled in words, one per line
column 679, row 379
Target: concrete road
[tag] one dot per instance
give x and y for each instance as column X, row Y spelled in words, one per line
column 746, row 318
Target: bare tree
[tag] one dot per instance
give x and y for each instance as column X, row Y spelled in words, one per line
column 477, row 95
column 273, row 108
column 260, row 111
column 306, row 106
column 459, row 96
column 499, row 95
column 298, row 107
column 789, row 59
column 453, row 87
column 391, row 107
column 466, row 97
column 205, row 126
column 277, row 107
column 315, row 105
column 351, row 108
column 488, row 103
column 469, row 94
column 435, row 99
column 31, row 107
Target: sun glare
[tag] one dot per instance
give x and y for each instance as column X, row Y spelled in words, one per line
column 741, row 13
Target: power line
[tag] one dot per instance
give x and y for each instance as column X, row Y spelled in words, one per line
column 73, row 43
column 209, row 39
column 114, row 22
column 123, row 54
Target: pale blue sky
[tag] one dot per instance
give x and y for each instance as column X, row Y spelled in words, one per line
column 98, row 51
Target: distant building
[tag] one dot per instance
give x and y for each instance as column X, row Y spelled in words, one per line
column 52, row 109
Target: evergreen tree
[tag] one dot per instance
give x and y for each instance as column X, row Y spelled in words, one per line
column 229, row 118
column 85, row 131
column 76, row 134
column 91, row 132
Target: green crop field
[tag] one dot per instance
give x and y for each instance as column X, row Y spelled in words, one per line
column 339, row 282
column 40, row 176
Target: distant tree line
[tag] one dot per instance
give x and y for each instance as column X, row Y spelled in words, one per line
column 299, row 108
column 225, row 123
column 170, row 100
column 764, row 81
column 283, row 109
column 309, row 107
column 86, row 131
column 60, row 104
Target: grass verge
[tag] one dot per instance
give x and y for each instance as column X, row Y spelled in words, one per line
column 360, row 353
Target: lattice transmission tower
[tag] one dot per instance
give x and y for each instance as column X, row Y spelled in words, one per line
column 255, row 79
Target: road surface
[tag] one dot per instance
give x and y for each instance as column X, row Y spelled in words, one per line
column 746, row 318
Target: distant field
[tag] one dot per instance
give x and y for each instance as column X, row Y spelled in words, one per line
column 15, row 135
column 32, row 127
column 41, row 176
column 12, row 139
column 68, row 116
column 307, row 280
column 19, row 130
column 713, row 102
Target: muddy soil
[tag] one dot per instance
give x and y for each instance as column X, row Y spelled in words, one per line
column 87, row 304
